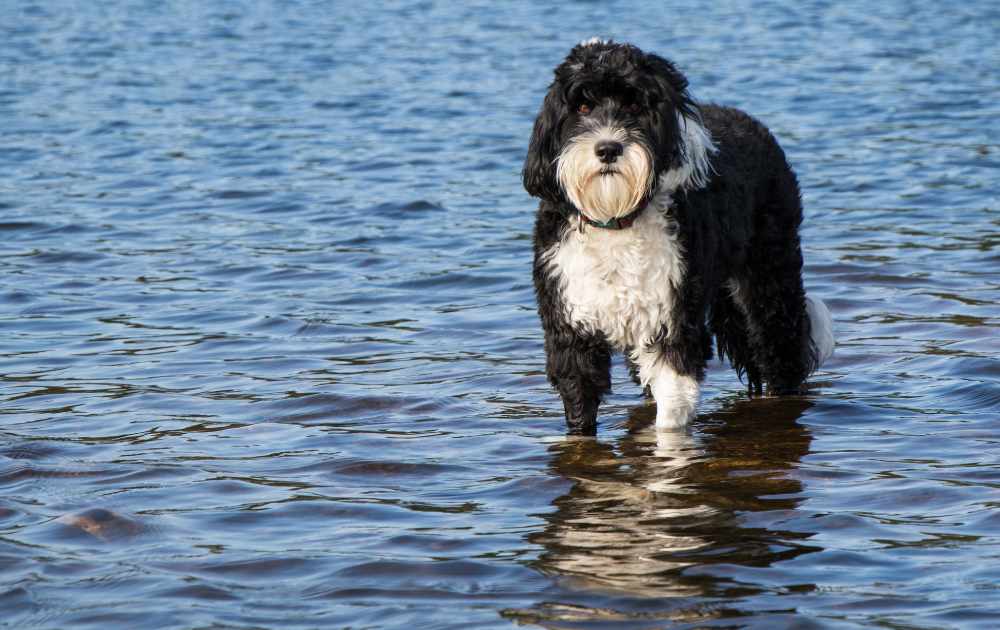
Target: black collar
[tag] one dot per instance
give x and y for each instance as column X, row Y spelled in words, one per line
column 618, row 223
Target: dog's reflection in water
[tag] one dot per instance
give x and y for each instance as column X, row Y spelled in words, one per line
column 649, row 505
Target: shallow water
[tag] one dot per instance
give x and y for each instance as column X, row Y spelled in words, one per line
column 269, row 355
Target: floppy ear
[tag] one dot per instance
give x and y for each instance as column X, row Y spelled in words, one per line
column 668, row 74
column 539, row 174
column 672, row 99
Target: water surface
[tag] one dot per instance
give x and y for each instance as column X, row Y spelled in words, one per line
column 269, row 355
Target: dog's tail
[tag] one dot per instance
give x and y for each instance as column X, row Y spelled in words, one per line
column 821, row 330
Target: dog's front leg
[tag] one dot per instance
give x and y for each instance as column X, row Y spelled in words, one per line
column 580, row 369
column 676, row 397
column 676, row 394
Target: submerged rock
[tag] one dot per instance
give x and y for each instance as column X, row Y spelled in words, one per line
column 103, row 524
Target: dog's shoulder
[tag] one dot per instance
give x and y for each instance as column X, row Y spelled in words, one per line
column 550, row 223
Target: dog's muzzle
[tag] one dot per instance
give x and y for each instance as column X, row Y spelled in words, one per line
column 606, row 173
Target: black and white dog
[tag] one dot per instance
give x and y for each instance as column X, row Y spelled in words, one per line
column 663, row 222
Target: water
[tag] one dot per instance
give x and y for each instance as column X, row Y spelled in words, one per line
column 269, row 354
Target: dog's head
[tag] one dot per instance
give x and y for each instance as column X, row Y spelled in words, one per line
column 616, row 125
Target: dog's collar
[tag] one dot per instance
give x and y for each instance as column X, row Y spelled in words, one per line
column 617, row 223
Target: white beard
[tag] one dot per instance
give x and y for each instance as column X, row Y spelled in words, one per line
column 603, row 197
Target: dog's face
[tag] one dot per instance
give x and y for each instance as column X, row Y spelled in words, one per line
column 614, row 121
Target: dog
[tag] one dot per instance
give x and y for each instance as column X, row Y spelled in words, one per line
column 663, row 223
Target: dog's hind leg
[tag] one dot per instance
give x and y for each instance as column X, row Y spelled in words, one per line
column 728, row 323
column 771, row 294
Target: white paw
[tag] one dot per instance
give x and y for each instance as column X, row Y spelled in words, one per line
column 676, row 398
column 671, row 418
column 676, row 395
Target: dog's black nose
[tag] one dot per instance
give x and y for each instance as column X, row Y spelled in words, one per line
column 608, row 150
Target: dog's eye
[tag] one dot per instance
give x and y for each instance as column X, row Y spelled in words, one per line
column 584, row 108
column 633, row 108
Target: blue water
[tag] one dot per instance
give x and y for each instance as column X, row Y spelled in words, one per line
column 269, row 355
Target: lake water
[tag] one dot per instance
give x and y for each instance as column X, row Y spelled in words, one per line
column 270, row 358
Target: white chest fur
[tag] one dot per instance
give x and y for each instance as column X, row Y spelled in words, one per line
column 619, row 282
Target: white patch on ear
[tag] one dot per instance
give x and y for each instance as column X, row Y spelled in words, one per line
column 821, row 329
column 594, row 41
column 696, row 149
